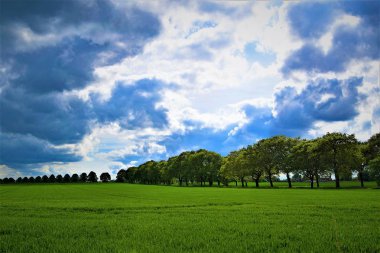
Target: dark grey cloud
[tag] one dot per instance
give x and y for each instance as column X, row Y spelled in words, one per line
column 133, row 106
column 18, row 151
column 52, row 117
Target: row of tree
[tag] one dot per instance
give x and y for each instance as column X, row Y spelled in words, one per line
column 75, row 178
column 334, row 153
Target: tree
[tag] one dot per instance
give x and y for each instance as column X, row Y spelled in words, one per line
column 337, row 152
column 267, row 153
column 121, row 176
column 66, row 178
column 52, row 178
column 74, row 178
column 302, row 158
column 19, row 180
column 204, row 165
column 45, row 179
column 282, row 151
column 235, row 166
column 25, row 180
column 166, row 176
column 83, row 177
column 38, row 179
column 32, row 180
column 374, row 169
column 254, row 168
column 92, row 177
column 105, row 177
column 373, row 149
column 131, row 174
column 11, row 180
column 59, row 178
column 368, row 151
column 177, row 166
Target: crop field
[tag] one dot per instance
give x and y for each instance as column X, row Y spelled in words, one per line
column 145, row 218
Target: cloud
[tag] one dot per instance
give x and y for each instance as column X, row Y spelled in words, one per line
column 358, row 42
column 133, row 106
column 50, row 50
column 22, row 150
column 326, row 100
column 55, row 119
column 311, row 19
column 55, row 46
column 52, row 117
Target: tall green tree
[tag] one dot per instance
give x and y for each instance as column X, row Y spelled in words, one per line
column 121, row 176
column 374, row 169
column 255, row 169
column 45, row 179
column 83, row 177
column 92, row 177
column 74, row 178
column 370, row 150
column 52, row 178
column 267, row 156
column 235, row 166
column 66, row 178
column 337, row 152
column 304, row 160
column 166, row 176
column 204, row 165
column 282, row 152
column 179, row 165
column 59, row 178
column 105, row 177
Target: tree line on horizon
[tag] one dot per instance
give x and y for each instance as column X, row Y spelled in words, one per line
column 337, row 154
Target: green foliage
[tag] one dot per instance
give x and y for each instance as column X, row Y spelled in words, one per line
column 337, row 151
column 92, row 177
column 121, row 176
column 83, row 177
column 74, row 178
column 105, row 177
column 235, row 166
column 374, row 169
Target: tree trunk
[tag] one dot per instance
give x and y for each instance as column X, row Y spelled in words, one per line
column 317, row 179
column 218, row 183
column 236, row 183
column 312, row 182
column 289, row 181
column 257, row 182
column 361, row 179
column 270, row 179
column 242, row 182
column 246, row 184
column 337, row 182
column 180, row 182
column 210, row 182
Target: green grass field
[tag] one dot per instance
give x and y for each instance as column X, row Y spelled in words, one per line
column 142, row 218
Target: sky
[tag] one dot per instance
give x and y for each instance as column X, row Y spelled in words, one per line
column 104, row 85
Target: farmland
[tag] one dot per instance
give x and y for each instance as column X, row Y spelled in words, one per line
column 146, row 218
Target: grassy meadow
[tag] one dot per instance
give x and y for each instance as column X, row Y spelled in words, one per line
column 146, row 218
